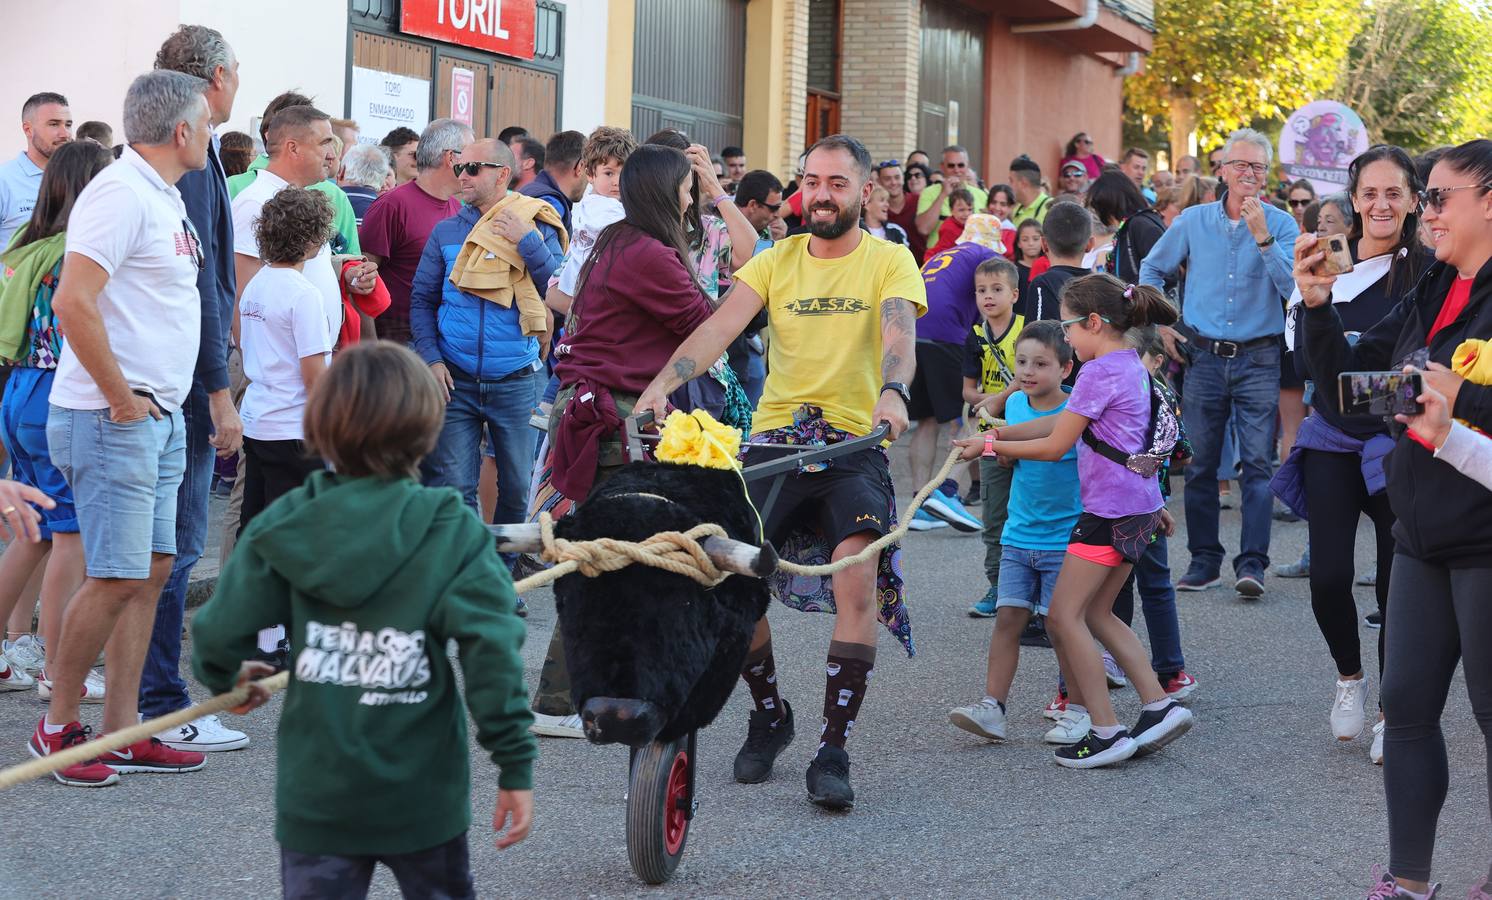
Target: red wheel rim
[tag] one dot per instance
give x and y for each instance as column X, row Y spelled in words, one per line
column 675, row 817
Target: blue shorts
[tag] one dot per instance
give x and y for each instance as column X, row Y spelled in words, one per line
column 1027, row 578
column 124, row 479
column 24, row 411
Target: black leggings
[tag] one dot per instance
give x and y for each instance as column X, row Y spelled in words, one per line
column 1335, row 498
column 1438, row 617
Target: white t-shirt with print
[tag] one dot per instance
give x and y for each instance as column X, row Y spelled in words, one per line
column 133, row 224
column 318, row 270
column 281, row 321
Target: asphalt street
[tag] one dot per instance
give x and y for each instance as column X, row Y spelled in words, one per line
column 1257, row 801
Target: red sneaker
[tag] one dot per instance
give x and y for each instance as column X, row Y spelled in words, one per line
column 90, row 773
column 151, row 757
column 1057, row 707
column 1179, row 686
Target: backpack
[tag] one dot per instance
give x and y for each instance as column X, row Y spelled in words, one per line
column 1161, row 441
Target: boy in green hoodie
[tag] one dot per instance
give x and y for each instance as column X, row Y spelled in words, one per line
column 373, row 762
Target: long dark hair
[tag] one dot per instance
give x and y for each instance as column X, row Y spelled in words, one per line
column 694, row 228
column 1114, row 198
column 69, row 170
column 1408, row 254
column 1071, row 150
column 650, row 199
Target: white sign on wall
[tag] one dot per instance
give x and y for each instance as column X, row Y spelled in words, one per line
column 382, row 102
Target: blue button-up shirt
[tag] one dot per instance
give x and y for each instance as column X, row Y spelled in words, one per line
column 1235, row 291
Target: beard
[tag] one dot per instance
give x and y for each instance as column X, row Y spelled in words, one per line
column 846, row 219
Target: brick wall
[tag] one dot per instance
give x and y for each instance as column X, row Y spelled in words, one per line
column 795, row 90
column 882, row 50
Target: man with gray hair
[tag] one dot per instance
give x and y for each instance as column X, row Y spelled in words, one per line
column 211, row 423
column 129, row 303
column 1238, row 254
column 399, row 223
column 365, row 174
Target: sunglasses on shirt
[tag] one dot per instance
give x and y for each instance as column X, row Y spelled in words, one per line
column 198, row 256
column 472, row 168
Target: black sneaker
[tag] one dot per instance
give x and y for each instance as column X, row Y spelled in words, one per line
column 829, row 779
column 1035, row 634
column 1160, row 727
column 766, row 737
column 1093, row 751
column 1250, row 583
column 972, row 498
column 278, row 658
column 1373, row 619
column 1197, row 578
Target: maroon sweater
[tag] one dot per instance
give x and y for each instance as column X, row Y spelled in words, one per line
column 636, row 307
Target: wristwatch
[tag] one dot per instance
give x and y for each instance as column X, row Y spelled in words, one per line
column 1266, row 242
column 906, row 393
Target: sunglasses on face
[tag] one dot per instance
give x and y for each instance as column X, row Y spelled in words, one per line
column 1298, row 204
column 1085, row 140
column 472, row 168
column 1434, row 198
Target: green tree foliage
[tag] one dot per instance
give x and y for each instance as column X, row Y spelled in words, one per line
column 1420, row 72
column 1219, row 64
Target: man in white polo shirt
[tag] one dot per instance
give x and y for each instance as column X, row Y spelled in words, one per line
column 128, row 303
column 48, row 124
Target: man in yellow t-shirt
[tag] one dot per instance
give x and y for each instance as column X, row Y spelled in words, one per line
column 841, row 306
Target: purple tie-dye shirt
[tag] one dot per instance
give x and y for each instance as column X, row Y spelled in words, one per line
column 1113, row 391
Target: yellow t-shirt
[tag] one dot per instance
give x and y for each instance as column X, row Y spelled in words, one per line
column 825, row 321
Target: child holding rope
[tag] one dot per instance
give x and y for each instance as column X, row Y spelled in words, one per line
column 1113, row 409
column 373, row 754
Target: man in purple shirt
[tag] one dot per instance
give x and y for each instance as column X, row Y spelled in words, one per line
column 398, row 224
column 937, row 389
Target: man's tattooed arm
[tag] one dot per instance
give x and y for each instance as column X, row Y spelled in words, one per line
column 898, row 340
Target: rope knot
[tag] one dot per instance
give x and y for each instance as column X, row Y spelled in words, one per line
column 678, row 552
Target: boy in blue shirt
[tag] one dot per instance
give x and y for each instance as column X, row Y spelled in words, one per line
column 1044, row 506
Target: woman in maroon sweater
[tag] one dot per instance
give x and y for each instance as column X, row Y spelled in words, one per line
column 637, row 301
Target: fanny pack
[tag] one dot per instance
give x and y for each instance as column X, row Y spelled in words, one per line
column 1159, row 443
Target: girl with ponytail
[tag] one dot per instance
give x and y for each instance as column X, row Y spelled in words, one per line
column 1120, row 429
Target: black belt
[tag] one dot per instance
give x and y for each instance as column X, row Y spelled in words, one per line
column 1231, row 349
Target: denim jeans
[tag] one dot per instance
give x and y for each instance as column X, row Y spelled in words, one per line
column 1215, row 388
column 1152, row 577
column 162, row 689
column 503, row 408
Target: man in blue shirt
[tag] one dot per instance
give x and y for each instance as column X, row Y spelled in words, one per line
column 490, row 369
column 48, row 124
column 1238, row 257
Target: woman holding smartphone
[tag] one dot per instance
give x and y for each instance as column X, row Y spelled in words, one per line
column 1438, row 612
column 1334, row 473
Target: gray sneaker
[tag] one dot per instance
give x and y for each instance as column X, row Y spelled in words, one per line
column 983, row 718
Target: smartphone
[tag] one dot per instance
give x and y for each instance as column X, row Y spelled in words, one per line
column 1338, row 255
column 1381, row 393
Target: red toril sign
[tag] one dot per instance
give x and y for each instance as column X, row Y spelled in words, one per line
column 497, row 26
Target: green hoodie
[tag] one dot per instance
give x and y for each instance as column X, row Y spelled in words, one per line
column 372, row 577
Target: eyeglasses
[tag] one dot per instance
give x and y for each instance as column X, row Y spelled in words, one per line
column 198, row 256
column 1068, row 323
column 1434, row 198
column 472, row 168
column 1242, row 167
column 1295, row 204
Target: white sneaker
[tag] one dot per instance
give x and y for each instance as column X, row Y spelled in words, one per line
column 25, row 652
column 93, row 687
column 984, row 719
column 1112, row 672
column 1348, row 717
column 1375, row 752
column 204, row 735
column 14, row 678
column 1071, row 727
column 557, row 726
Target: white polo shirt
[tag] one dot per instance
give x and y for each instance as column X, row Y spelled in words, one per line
column 134, row 225
column 20, row 182
column 319, row 270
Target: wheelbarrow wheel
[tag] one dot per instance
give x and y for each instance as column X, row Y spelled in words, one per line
column 659, row 809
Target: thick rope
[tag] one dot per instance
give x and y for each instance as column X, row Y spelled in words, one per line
column 874, row 549
column 118, row 740
column 671, row 551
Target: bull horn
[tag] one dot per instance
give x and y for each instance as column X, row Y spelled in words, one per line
column 727, row 555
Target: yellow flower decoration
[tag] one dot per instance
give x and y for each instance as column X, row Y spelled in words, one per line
column 1473, row 361
column 696, row 439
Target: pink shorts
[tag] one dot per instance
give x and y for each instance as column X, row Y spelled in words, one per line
column 1104, row 556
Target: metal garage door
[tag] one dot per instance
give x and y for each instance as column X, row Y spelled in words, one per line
column 689, row 69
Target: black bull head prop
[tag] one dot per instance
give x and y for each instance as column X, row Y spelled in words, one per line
column 653, row 655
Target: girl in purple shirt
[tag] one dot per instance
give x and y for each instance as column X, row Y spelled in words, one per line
column 1122, row 513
